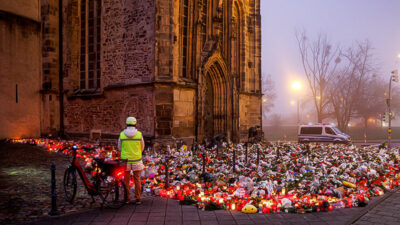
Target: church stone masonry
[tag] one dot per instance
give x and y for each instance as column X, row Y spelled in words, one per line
column 185, row 69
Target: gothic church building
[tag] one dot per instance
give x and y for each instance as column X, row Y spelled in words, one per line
column 186, row 69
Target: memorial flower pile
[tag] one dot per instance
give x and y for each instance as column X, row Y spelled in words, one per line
column 296, row 178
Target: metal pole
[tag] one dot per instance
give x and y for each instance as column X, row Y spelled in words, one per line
column 390, row 113
column 204, row 163
column 166, row 172
column 247, row 147
column 234, row 161
column 298, row 110
column 53, row 210
column 277, row 153
column 258, row 155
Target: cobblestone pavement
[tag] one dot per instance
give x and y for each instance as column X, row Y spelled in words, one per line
column 387, row 212
column 162, row 211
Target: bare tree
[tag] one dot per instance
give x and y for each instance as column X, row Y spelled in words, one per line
column 371, row 103
column 319, row 59
column 347, row 84
column 276, row 121
column 269, row 95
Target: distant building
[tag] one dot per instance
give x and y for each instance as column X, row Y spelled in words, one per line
column 185, row 69
column 20, row 65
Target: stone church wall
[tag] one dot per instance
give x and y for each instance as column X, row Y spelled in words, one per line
column 107, row 114
column 127, row 70
column 249, row 114
column 50, row 116
column 184, row 113
column 128, row 42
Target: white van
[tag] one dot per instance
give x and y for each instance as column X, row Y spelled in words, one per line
column 322, row 133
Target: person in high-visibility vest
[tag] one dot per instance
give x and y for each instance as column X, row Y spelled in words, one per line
column 131, row 145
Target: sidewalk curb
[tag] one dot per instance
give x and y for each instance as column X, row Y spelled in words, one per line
column 372, row 206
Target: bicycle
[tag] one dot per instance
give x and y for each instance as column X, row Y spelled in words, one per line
column 107, row 182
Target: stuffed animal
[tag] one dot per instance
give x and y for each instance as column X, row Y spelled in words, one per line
column 249, row 209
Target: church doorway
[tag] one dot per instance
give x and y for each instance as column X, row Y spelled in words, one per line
column 209, row 108
column 215, row 108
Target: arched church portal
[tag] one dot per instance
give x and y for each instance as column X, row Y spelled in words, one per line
column 215, row 110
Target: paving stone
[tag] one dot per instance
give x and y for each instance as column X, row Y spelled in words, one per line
column 155, row 223
column 227, row 222
column 225, row 217
column 392, row 223
column 318, row 223
column 172, row 222
column 191, row 222
column 80, row 223
column 138, row 216
column 190, row 216
column 259, row 219
column 245, row 222
column 156, row 218
column 121, row 220
column 157, row 214
column 84, row 219
column 363, row 223
column 209, row 222
column 169, row 212
column 137, row 223
column 207, row 218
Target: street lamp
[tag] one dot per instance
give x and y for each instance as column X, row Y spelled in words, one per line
column 395, row 78
column 296, row 86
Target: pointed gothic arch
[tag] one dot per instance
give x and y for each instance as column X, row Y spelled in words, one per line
column 216, row 95
column 237, row 44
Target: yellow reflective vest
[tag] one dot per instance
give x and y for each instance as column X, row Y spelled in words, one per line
column 131, row 148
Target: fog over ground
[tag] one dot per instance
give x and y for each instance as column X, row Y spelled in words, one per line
column 343, row 21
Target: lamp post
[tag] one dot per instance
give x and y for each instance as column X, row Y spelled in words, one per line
column 296, row 86
column 395, row 78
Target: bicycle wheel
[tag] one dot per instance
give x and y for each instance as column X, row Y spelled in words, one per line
column 113, row 193
column 70, row 184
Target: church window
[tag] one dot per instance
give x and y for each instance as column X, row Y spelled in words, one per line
column 204, row 21
column 185, row 27
column 90, row 44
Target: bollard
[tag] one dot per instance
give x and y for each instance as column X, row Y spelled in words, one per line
column 258, row 156
column 247, row 149
column 277, row 153
column 194, row 148
column 166, row 172
column 53, row 210
column 203, row 154
column 234, row 161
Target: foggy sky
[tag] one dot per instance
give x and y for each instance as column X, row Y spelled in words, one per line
column 343, row 21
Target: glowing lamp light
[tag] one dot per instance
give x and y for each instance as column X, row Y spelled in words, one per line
column 296, row 85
